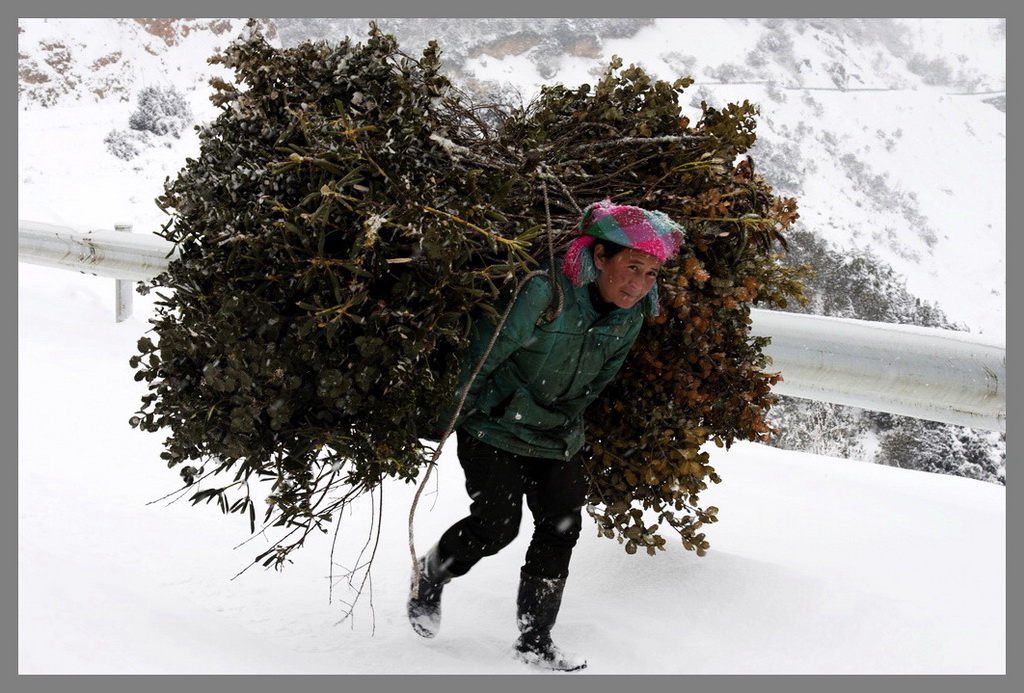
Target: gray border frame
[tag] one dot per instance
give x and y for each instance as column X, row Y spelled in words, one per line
column 11, row 681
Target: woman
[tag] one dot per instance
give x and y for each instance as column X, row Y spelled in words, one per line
column 521, row 428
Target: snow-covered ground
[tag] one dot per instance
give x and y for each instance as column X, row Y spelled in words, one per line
column 818, row 565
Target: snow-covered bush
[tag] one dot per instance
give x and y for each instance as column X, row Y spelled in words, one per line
column 782, row 162
column 944, row 449
column 125, row 144
column 161, row 111
column 933, row 71
column 820, row 428
column 774, row 45
column 857, row 284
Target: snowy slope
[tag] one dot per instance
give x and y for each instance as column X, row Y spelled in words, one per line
column 817, row 565
column 901, row 160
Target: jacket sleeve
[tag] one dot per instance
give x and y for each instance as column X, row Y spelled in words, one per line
column 532, row 301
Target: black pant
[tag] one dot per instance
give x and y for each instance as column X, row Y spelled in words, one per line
column 496, row 481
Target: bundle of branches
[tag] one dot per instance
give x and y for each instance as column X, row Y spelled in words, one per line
column 351, row 214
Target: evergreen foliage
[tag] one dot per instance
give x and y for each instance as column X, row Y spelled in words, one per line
column 351, row 213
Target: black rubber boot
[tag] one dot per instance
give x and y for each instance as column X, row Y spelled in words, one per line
column 425, row 594
column 538, row 603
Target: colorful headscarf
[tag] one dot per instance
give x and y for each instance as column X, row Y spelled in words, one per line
column 645, row 230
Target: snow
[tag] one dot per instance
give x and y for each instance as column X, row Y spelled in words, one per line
column 818, row 565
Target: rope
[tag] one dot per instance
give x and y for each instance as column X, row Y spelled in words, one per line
column 555, row 285
column 550, row 314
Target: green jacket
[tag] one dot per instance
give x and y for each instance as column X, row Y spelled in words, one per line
column 530, row 395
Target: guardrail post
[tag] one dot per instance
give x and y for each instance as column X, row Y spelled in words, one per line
column 123, row 288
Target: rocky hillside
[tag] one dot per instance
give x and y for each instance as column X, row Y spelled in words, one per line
column 64, row 61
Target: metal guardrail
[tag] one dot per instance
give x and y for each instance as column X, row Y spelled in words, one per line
column 928, row 373
column 939, row 375
column 105, row 253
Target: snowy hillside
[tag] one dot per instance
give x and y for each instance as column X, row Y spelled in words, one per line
column 88, row 61
column 891, row 134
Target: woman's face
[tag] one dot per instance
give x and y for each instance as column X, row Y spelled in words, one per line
column 625, row 278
